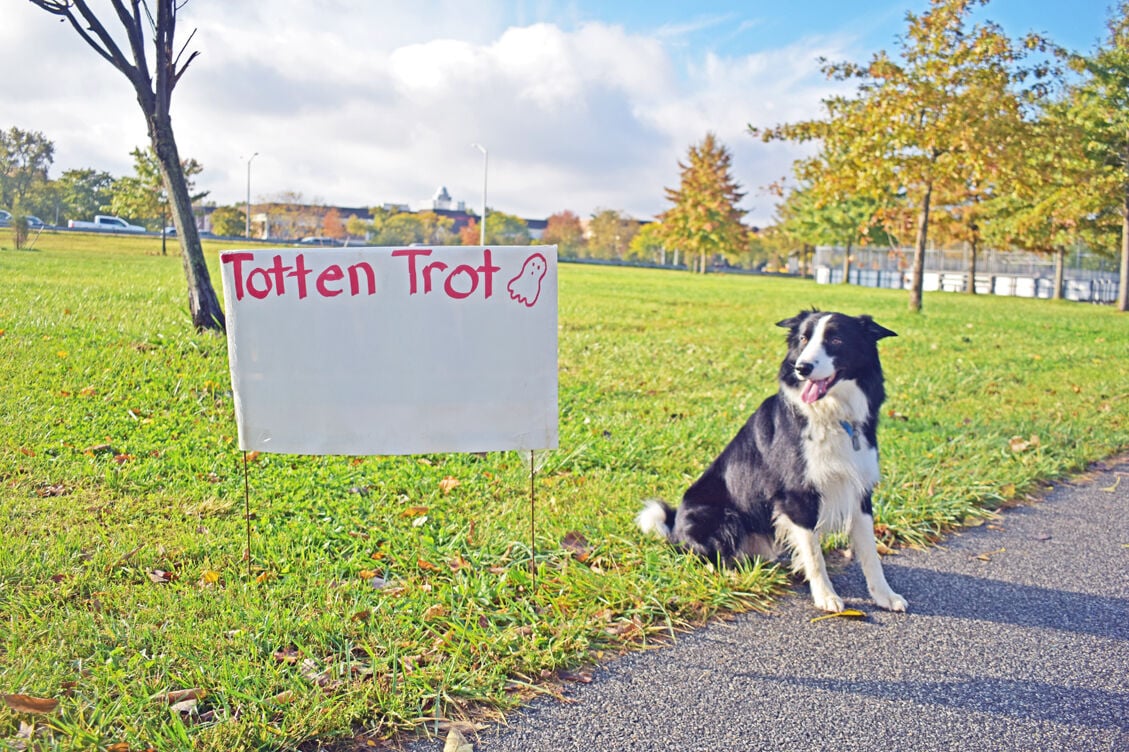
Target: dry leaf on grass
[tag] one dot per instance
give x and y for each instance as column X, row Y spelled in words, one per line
column 449, row 484
column 577, row 545
column 29, row 704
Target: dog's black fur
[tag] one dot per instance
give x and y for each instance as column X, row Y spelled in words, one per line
column 802, row 462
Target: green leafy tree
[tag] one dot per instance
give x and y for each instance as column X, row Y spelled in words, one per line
column 565, row 231
column 704, row 220
column 647, row 245
column 153, row 63
column 811, row 219
column 610, row 233
column 929, row 125
column 506, row 229
column 84, row 193
column 229, row 221
column 143, row 197
column 25, row 157
column 436, row 228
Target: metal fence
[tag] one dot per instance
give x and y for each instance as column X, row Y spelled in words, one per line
column 1088, row 277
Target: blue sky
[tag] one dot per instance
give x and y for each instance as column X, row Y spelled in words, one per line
column 583, row 105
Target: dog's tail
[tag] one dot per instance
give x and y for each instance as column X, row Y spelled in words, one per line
column 656, row 518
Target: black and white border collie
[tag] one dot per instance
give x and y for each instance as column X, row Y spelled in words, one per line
column 804, row 464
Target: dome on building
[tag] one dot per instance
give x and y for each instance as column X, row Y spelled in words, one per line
column 441, row 199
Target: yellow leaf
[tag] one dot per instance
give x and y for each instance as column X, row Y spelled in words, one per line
column 448, row 484
column 209, row 577
column 847, row 613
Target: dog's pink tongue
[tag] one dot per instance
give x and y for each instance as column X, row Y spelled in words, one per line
column 814, row 389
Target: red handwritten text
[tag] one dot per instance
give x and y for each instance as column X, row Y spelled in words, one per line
column 461, row 282
column 263, row 281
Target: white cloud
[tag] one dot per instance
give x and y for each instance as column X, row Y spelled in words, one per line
column 360, row 103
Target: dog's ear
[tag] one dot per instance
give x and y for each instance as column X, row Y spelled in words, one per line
column 874, row 329
column 796, row 320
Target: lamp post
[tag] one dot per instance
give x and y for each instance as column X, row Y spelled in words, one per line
column 485, row 163
column 249, row 160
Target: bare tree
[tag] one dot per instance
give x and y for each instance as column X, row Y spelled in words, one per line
column 154, row 94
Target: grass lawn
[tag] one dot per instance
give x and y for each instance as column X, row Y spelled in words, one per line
column 387, row 592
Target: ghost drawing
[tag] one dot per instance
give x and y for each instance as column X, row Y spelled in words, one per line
column 526, row 286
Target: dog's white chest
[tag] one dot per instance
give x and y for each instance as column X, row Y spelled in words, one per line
column 840, row 463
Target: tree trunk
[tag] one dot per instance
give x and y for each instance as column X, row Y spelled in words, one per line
column 917, row 284
column 203, row 304
column 1060, row 273
column 971, row 290
column 847, row 265
column 1123, row 288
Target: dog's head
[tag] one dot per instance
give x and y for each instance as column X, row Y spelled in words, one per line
column 827, row 348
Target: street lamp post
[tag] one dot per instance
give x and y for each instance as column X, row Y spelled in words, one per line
column 248, row 207
column 485, row 164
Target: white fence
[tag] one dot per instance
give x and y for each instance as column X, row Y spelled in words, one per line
column 1087, row 277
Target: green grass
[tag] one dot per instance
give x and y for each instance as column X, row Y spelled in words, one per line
column 377, row 601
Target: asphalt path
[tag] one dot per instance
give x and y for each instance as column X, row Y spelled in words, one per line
column 1017, row 638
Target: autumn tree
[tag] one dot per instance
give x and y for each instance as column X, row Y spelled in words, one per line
column 565, row 231
column 153, row 65
column 704, row 220
column 331, row 224
column 931, row 124
column 229, row 221
column 610, row 233
column 470, row 234
column 1099, row 106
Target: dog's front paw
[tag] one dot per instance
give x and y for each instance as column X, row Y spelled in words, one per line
column 829, row 602
column 890, row 601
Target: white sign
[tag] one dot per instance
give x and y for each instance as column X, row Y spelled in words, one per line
column 393, row 350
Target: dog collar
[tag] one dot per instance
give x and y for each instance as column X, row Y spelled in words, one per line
column 852, row 431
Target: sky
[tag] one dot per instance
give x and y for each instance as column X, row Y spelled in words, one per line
column 581, row 106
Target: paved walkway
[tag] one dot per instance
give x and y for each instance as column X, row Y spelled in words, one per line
column 1017, row 639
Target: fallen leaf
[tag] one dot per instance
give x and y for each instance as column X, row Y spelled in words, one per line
column 29, row 704
column 186, row 706
column 413, row 511
column 56, row 489
column 987, row 556
column 288, row 654
column 434, row 612
column 456, row 742
column 118, row 747
column 284, row 698
column 1020, row 444
column 426, row 565
column 161, row 577
column 180, row 695
column 847, row 613
column 581, row 675
column 419, row 521
column 449, row 484
column 361, row 616
column 209, row 578
column 577, row 545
